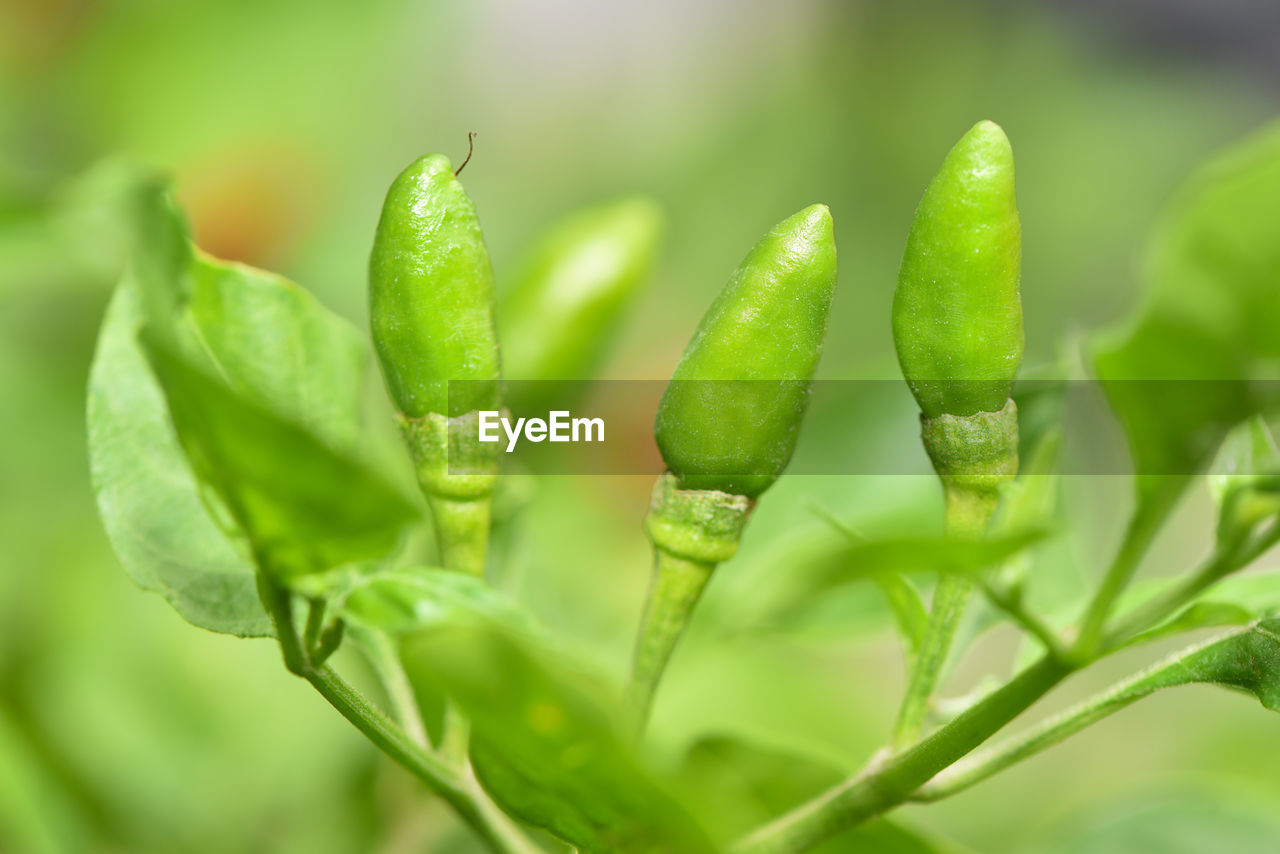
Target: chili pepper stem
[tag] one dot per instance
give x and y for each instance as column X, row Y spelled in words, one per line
column 967, row 514
column 462, row 538
column 974, row 455
column 677, row 585
column 692, row 531
column 462, row 531
column 456, row 786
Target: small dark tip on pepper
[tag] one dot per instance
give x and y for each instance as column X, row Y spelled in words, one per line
column 471, row 149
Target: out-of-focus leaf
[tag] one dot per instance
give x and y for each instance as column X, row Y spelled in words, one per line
column 546, row 744
column 380, row 606
column 36, row 814
column 910, row 615
column 1030, row 502
column 407, row 599
column 263, row 385
column 907, row 605
column 1234, row 601
column 1201, row 357
column 304, row 506
column 1187, row 823
column 1245, row 480
column 741, row 785
column 1041, row 407
column 1199, row 615
column 1249, row 454
column 171, row 538
column 837, row 561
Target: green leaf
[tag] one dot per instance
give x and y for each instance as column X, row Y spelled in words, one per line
column 1235, row 601
column 304, row 507
column 836, row 561
column 1029, row 503
column 1247, row 660
column 1245, row 481
column 263, row 386
column 1249, row 455
column 1041, row 396
column 379, row 606
column 910, row 615
column 1032, row 499
column 172, row 538
column 907, row 605
column 545, row 742
column 407, row 599
column 1199, row 615
column 1178, row 378
column 1201, row 820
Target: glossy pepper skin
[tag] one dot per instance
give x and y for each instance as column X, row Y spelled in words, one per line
column 431, row 295
column 765, row 329
column 957, row 312
column 570, row 292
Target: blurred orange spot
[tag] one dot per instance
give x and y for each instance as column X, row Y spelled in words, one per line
column 251, row 203
column 34, row 34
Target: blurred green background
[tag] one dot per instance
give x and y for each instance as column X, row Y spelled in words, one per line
column 282, row 121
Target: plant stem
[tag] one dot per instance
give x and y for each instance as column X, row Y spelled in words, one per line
column 460, row 791
column 314, row 626
column 439, row 776
column 967, row 514
column 1042, row 631
column 462, row 531
column 457, row 788
column 677, row 584
column 382, row 655
column 455, row 737
column 888, row 784
column 462, row 537
column 978, row 767
column 1143, row 527
column 1220, row 564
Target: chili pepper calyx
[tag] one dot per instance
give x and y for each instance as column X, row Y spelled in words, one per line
column 975, row 453
column 448, row 460
column 701, row 525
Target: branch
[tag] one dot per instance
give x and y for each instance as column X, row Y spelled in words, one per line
column 456, row 786
column 1219, row 565
column 978, row 767
column 886, row 785
column 1015, row 610
column 1142, row 530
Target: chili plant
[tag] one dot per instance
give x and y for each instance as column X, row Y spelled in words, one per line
column 234, row 477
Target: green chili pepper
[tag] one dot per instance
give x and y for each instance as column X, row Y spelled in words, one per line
column 570, row 293
column 431, row 306
column 957, row 315
column 431, row 295
column 957, row 321
column 957, row 325
column 728, row 423
column 764, row 331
